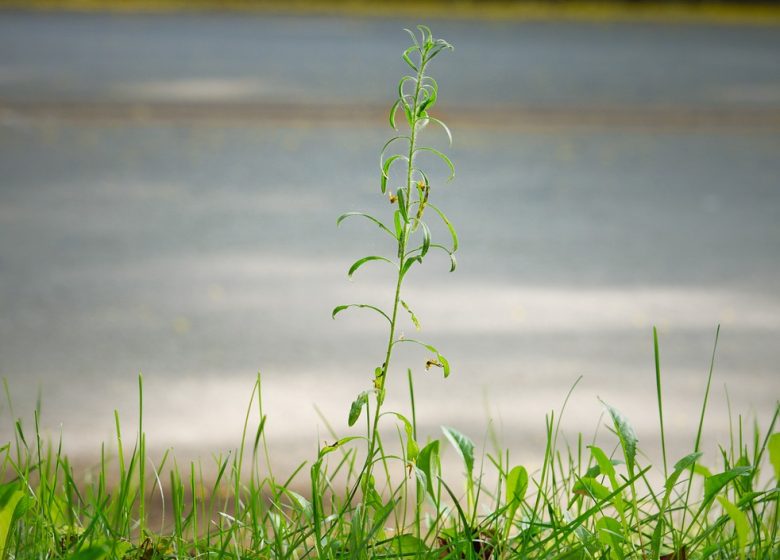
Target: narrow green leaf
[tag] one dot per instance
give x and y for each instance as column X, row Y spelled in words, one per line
column 412, row 450
column 444, row 126
column 364, row 260
column 399, row 230
column 408, row 60
column 333, row 446
column 401, row 195
column 441, row 156
column 338, row 309
column 357, row 407
column 412, row 315
column 426, row 243
column 413, row 36
column 449, row 225
column 463, row 445
column 386, row 170
column 408, row 264
column 401, row 95
column 393, row 111
column 368, row 217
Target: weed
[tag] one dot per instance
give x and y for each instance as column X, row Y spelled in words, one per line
column 583, row 503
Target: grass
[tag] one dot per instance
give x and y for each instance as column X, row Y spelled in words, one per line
column 369, row 496
column 597, row 11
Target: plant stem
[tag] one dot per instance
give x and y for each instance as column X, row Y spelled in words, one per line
column 401, row 273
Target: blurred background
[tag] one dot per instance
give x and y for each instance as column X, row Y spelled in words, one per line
column 171, row 179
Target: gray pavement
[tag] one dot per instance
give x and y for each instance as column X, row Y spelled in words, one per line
column 609, row 178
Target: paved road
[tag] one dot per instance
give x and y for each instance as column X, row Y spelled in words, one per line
column 170, row 186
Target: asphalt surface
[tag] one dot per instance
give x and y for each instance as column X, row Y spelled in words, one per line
column 171, row 183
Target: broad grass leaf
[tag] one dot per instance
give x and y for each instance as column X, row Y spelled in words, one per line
column 463, row 445
column 774, row 454
column 591, row 488
column 429, row 463
column 412, row 449
column 681, row 466
column 516, row 487
column 407, row 545
column 10, row 496
column 94, row 552
column 610, row 534
column 605, row 465
column 357, row 407
column 740, row 521
column 717, row 482
column 627, row 436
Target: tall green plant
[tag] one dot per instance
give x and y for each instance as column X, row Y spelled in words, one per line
column 412, row 242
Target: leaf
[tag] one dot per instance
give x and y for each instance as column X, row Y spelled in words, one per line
column 774, row 454
column 333, row 446
column 591, row 488
column 412, row 449
column 444, row 158
column 94, row 552
column 401, row 94
column 402, row 204
column 463, row 445
column 386, row 170
column 10, row 496
column 444, row 126
column 428, row 462
column 409, row 60
column 393, row 111
column 338, row 309
column 715, row 483
column 408, row 264
column 516, row 487
column 627, row 436
column 449, row 225
column 364, row 260
column 367, row 216
column 406, row 545
column 609, row 531
column 426, row 243
column 740, row 523
column 606, row 467
column 357, row 407
column 412, row 315
column 680, row 467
